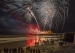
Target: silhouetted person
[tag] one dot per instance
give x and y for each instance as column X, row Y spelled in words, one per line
column 52, row 41
column 22, row 51
column 47, row 41
column 38, row 51
column 64, row 42
column 10, row 50
column 19, row 50
column 5, row 50
column 36, row 43
column 14, row 50
column 61, row 42
column 31, row 51
column 28, row 48
column 42, row 43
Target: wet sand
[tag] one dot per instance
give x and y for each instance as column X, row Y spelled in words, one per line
column 11, row 44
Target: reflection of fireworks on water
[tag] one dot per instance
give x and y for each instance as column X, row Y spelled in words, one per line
column 32, row 40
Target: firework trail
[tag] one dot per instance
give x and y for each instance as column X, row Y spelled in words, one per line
column 61, row 14
column 33, row 17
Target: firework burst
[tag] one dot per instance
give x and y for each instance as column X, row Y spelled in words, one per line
column 45, row 12
column 51, row 13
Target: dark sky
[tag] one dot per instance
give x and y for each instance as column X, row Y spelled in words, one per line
column 70, row 22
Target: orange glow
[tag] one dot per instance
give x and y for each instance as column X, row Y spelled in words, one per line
column 45, row 32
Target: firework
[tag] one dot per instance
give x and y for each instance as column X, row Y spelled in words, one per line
column 51, row 13
column 48, row 14
column 45, row 11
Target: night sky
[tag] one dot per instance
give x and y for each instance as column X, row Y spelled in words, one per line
column 70, row 22
column 7, row 28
